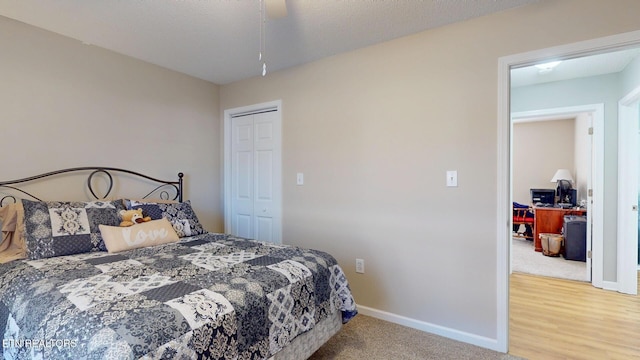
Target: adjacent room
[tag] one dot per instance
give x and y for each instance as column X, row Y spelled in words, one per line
column 554, row 108
column 347, row 178
column 535, row 163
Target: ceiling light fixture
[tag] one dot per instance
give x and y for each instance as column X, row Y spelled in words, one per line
column 547, row 67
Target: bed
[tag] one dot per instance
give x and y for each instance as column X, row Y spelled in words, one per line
column 74, row 284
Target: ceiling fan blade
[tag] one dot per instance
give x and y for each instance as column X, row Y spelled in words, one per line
column 276, row 8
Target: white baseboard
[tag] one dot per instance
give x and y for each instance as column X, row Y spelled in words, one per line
column 453, row 334
column 610, row 285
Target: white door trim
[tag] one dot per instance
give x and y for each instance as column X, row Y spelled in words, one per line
column 596, row 216
column 503, row 219
column 628, row 116
column 228, row 115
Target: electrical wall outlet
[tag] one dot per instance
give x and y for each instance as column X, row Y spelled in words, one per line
column 360, row 266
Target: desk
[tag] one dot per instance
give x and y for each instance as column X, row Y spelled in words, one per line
column 550, row 220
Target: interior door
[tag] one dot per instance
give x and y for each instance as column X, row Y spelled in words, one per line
column 628, row 145
column 256, row 176
column 242, row 177
column 265, row 157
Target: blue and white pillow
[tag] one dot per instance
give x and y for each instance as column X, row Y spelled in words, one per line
column 57, row 228
column 181, row 215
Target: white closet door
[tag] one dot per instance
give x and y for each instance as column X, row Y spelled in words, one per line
column 242, row 177
column 256, row 177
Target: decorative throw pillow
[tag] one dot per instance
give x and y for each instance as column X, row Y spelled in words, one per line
column 56, row 228
column 154, row 232
column 181, row 215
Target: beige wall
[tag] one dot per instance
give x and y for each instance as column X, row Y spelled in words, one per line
column 539, row 149
column 375, row 130
column 64, row 104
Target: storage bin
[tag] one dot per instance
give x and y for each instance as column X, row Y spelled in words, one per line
column 551, row 244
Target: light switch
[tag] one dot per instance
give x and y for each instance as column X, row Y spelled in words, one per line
column 300, row 179
column 452, row 178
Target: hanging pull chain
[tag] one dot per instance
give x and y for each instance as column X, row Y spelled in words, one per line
column 261, row 53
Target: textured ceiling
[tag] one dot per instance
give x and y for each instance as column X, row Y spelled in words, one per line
column 219, row 40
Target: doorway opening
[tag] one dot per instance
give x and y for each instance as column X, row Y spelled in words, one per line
column 543, row 141
column 504, row 194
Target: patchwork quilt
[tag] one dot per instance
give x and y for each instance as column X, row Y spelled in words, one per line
column 211, row 296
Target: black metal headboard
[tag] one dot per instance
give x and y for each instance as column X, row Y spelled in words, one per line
column 175, row 185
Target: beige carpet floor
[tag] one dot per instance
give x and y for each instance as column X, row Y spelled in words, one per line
column 369, row 338
column 526, row 260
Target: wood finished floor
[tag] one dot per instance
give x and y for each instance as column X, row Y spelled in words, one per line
column 564, row 319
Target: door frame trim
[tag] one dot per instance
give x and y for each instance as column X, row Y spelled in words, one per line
column 505, row 63
column 226, row 131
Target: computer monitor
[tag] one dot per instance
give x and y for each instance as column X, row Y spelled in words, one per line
column 566, row 194
column 543, row 196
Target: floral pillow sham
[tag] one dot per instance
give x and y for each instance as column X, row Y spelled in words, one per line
column 181, row 215
column 58, row 228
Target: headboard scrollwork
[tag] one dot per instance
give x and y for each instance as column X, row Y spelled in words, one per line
column 174, row 185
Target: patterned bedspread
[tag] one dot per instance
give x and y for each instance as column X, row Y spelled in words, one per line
column 210, row 296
